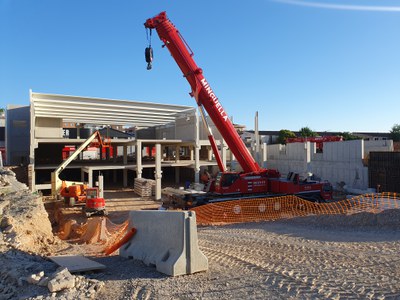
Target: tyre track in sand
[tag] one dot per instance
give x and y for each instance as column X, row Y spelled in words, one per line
column 299, row 267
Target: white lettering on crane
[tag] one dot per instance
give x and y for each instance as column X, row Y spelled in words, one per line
column 214, row 98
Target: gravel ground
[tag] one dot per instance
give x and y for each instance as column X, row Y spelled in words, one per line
column 276, row 260
column 320, row 257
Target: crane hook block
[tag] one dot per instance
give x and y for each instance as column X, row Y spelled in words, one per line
column 148, row 53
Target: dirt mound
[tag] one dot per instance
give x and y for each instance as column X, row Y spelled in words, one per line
column 24, row 222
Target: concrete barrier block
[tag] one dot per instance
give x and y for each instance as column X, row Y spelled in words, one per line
column 166, row 239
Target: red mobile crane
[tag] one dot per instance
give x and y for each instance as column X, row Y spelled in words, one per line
column 253, row 179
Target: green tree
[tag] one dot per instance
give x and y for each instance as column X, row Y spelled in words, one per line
column 307, row 132
column 284, row 134
column 348, row 136
column 395, row 133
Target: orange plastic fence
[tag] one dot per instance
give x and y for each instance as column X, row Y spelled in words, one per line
column 120, row 242
column 268, row 209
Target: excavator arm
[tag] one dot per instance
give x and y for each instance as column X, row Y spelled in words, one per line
column 202, row 91
column 56, row 182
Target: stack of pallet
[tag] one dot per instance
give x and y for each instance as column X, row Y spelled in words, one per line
column 144, row 187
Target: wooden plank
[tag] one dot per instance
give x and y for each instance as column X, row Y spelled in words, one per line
column 76, row 263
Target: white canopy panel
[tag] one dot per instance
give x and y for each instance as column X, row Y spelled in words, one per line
column 102, row 111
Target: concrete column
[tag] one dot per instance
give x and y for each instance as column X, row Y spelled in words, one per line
column 162, row 152
column 125, row 178
column 265, row 155
column 139, row 168
column 233, row 162
column 197, row 164
column 158, row 172
column 223, row 152
column 90, row 177
column 307, row 157
column 197, row 150
column 177, row 154
column 209, row 153
column 125, row 151
column 101, row 186
column 191, row 152
column 257, row 141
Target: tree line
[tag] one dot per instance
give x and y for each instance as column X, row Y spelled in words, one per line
column 305, row 132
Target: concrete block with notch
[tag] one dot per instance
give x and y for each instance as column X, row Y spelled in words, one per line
column 166, row 239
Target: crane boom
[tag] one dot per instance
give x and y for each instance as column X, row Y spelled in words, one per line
column 56, row 182
column 201, row 89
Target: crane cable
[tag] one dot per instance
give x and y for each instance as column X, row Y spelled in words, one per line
column 148, row 52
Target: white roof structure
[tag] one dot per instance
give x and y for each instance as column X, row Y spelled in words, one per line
column 102, row 111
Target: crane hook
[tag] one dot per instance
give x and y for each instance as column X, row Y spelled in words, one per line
column 148, row 52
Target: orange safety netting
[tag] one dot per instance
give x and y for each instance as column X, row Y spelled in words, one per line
column 276, row 208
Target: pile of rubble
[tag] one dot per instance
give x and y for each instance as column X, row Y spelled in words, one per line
column 26, row 238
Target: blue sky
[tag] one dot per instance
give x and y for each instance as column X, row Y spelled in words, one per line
column 328, row 65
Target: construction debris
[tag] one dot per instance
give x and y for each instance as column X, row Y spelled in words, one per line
column 25, row 235
column 76, row 263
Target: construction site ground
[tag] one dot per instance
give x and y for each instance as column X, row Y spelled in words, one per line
column 288, row 259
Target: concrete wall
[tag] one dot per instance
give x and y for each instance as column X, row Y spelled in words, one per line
column 17, row 134
column 165, row 132
column 287, row 158
column 339, row 161
column 185, row 128
column 48, row 128
column 146, row 133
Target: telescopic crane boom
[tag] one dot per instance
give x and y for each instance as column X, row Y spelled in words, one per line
column 201, row 90
column 253, row 180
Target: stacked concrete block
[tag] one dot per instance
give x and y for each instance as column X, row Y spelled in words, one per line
column 145, row 187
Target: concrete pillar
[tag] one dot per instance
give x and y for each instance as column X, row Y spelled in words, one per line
column 139, row 168
column 158, row 172
column 197, row 150
column 197, row 164
column 125, row 178
column 177, row 154
column 191, row 153
column 125, row 153
column 265, row 155
column 307, row 157
column 90, row 177
column 223, row 152
column 162, row 152
column 257, row 141
column 101, row 186
column 209, row 153
column 233, row 162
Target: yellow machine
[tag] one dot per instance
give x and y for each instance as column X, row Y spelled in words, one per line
column 71, row 190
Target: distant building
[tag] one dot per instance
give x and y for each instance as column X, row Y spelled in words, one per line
column 271, row 137
column 17, row 137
